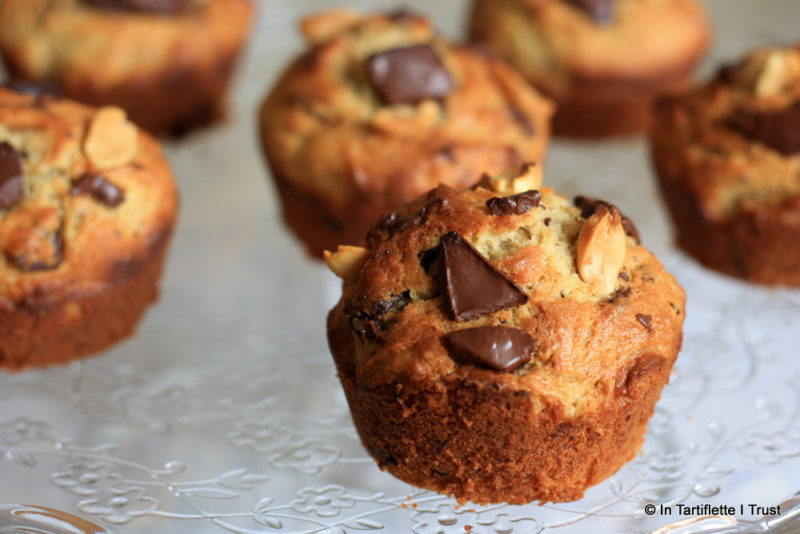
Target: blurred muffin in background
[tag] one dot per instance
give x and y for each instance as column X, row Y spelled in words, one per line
column 168, row 63
column 727, row 156
column 380, row 109
column 602, row 61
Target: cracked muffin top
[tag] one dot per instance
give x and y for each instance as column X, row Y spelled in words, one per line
column 380, row 109
column 737, row 138
column 84, row 197
column 519, row 288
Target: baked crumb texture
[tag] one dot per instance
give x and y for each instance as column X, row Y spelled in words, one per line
column 379, row 110
column 504, row 348
column 87, row 205
column 727, row 156
column 602, row 61
column 168, row 63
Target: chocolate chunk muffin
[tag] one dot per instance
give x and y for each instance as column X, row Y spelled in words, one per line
column 503, row 347
column 727, row 156
column 168, row 63
column 378, row 111
column 602, row 61
column 87, row 205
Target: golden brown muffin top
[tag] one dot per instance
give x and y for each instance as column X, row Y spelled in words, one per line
column 575, row 297
column 554, row 42
column 345, row 121
column 743, row 129
column 84, row 194
column 113, row 40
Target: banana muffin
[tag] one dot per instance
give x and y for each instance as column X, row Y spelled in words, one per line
column 727, row 156
column 378, row 111
column 503, row 346
column 602, row 61
column 87, row 206
column 168, row 63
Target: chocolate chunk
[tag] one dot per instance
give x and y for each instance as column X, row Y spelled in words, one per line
column 620, row 293
column 515, row 204
column 427, row 258
column 645, row 321
column 779, row 130
column 164, row 7
column 728, row 73
column 589, row 206
column 601, row 11
column 473, row 287
column 11, row 183
column 496, row 347
column 392, row 225
column 396, row 303
column 99, row 188
column 630, row 229
column 409, row 75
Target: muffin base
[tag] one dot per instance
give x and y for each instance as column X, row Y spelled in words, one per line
column 44, row 330
column 613, row 107
column 486, row 444
column 171, row 102
column 759, row 246
column 310, row 220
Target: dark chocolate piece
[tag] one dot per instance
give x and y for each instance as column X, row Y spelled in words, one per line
column 473, row 287
column 409, row 75
column 396, row 303
column 427, row 258
column 515, row 204
column 392, row 225
column 496, row 347
column 644, row 320
column 620, row 293
column 11, row 183
column 99, row 188
column 589, row 206
column 779, row 130
column 162, row 7
column 728, row 73
column 601, row 11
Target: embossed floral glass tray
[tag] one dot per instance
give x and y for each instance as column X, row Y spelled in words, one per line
column 224, row 414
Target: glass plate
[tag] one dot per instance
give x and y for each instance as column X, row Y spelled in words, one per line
column 224, row 414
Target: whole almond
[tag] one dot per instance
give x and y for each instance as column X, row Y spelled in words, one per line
column 346, row 262
column 111, row 139
column 601, row 249
column 769, row 71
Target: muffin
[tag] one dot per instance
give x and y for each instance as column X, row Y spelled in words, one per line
column 87, row 205
column 168, row 63
column 380, row 110
column 503, row 347
column 726, row 156
column 602, row 61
